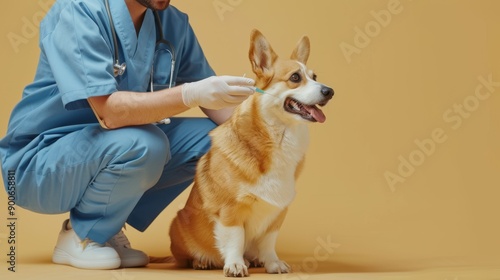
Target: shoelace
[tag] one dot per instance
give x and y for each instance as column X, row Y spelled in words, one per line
column 120, row 240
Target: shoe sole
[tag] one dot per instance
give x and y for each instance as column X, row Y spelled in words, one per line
column 61, row 257
column 133, row 262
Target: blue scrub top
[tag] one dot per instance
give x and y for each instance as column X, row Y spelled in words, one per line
column 76, row 62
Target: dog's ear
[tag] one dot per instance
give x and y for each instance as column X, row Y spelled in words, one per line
column 261, row 55
column 301, row 52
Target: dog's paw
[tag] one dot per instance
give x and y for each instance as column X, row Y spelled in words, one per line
column 235, row 270
column 201, row 264
column 254, row 263
column 277, row 266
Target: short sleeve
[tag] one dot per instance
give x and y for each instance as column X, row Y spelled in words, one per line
column 79, row 55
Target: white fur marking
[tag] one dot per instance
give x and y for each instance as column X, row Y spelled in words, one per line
column 277, row 187
column 266, row 247
column 230, row 241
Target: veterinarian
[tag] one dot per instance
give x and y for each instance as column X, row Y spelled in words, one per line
column 85, row 137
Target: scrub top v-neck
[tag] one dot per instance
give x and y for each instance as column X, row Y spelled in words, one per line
column 136, row 50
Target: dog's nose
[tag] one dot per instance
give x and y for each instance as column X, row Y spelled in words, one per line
column 327, row 92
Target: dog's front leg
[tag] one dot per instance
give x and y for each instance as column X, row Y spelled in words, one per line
column 231, row 244
column 268, row 256
column 266, row 248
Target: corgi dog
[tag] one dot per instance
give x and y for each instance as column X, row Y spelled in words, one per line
column 246, row 181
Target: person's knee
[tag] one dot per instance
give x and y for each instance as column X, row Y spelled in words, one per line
column 144, row 151
column 149, row 140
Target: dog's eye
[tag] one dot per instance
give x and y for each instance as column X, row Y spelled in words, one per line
column 314, row 77
column 295, row 78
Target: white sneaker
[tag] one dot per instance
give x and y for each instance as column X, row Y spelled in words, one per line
column 129, row 257
column 86, row 254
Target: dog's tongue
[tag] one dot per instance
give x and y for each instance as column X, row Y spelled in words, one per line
column 316, row 113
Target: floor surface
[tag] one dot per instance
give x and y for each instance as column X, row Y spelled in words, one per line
column 303, row 270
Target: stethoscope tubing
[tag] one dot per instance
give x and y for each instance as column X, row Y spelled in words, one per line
column 119, row 69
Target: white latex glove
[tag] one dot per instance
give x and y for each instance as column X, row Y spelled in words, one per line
column 217, row 92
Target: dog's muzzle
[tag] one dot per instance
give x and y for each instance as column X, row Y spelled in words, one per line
column 309, row 112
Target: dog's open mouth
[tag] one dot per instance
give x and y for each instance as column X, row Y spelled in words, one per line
column 308, row 112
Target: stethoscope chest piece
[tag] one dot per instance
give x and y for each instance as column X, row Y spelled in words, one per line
column 119, row 69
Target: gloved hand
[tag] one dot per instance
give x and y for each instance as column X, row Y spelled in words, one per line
column 217, row 92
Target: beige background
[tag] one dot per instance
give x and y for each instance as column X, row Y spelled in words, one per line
column 409, row 79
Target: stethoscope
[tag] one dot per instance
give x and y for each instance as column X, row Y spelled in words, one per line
column 119, row 68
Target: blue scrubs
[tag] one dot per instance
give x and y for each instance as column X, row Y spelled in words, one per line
column 63, row 160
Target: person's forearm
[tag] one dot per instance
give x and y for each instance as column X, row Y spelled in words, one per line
column 123, row 108
column 215, row 94
column 219, row 116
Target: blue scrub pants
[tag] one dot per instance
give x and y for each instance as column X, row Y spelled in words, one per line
column 105, row 178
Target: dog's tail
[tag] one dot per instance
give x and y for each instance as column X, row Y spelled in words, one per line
column 169, row 259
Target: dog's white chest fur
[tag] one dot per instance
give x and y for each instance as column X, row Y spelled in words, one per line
column 277, row 187
column 263, row 214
